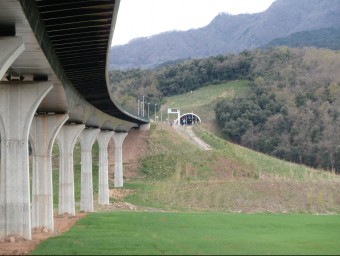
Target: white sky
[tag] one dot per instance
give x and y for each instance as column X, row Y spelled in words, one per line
column 141, row 18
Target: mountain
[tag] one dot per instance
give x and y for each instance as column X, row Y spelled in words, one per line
column 322, row 38
column 228, row 34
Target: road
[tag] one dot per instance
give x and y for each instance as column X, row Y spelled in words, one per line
column 187, row 132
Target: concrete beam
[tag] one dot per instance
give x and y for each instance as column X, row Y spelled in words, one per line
column 67, row 138
column 10, row 49
column 119, row 139
column 18, row 103
column 87, row 138
column 103, row 139
column 43, row 132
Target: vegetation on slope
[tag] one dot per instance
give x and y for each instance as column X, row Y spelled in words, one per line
column 321, row 38
column 174, row 79
column 292, row 109
column 228, row 178
column 202, row 101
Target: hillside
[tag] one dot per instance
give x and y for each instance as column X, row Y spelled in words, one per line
column 202, row 101
column 177, row 175
column 321, row 38
column 228, row 34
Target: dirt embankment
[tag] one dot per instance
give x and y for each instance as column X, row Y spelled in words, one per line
column 18, row 246
column 134, row 147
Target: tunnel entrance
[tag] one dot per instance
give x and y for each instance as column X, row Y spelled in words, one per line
column 188, row 119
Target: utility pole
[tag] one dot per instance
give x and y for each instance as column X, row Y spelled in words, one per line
column 138, row 107
column 155, row 112
column 148, row 110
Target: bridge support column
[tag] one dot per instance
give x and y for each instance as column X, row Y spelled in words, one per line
column 10, row 49
column 67, row 138
column 144, row 127
column 18, row 103
column 119, row 139
column 103, row 139
column 87, row 138
column 43, row 132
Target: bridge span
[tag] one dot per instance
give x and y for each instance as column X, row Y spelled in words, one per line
column 54, row 85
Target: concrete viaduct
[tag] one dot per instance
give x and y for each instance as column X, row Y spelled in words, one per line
column 53, row 71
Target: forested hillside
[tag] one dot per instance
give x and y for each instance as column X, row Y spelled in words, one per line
column 176, row 78
column 229, row 34
column 292, row 109
column 322, row 38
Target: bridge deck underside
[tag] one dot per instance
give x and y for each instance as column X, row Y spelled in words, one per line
column 79, row 34
column 79, row 31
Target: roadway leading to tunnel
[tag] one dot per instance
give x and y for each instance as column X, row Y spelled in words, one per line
column 187, row 132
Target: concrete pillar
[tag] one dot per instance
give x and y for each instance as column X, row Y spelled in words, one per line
column 10, row 49
column 67, row 138
column 87, row 138
column 119, row 139
column 144, row 127
column 103, row 139
column 43, row 132
column 18, row 103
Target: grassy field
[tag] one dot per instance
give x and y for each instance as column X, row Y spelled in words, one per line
column 154, row 233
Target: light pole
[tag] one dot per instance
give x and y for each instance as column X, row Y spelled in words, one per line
column 160, row 107
column 155, row 112
column 143, row 106
column 148, row 110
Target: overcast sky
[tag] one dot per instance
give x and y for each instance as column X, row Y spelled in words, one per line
column 138, row 18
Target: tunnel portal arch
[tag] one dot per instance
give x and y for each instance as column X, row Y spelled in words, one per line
column 188, row 119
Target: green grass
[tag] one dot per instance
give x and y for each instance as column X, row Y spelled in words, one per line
column 261, row 163
column 203, row 100
column 153, row 233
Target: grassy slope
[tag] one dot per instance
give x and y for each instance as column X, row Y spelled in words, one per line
column 202, row 101
column 229, row 177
